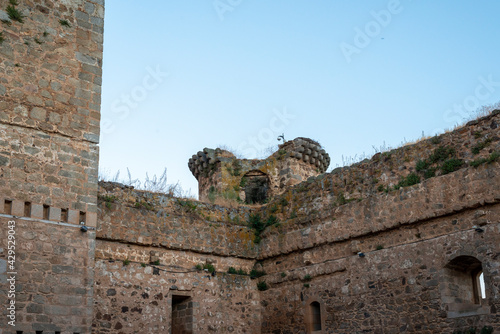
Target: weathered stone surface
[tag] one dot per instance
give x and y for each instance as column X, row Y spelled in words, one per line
column 39, row 76
column 346, row 244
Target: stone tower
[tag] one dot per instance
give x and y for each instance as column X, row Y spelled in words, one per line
column 50, row 92
column 220, row 173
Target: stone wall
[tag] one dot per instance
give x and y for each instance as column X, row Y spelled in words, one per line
column 477, row 140
column 145, row 218
column 150, row 253
column 54, row 274
column 402, row 283
column 392, row 290
column 135, row 295
column 50, row 91
column 420, row 246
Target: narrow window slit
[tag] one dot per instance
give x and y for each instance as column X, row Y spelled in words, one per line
column 83, row 217
column 46, row 212
column 7, row 207
column 27, row 209
column 64, row 215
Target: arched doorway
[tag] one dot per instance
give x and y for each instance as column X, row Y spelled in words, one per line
column 255, row 185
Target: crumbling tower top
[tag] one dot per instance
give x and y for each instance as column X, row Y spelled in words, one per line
column 220, row 173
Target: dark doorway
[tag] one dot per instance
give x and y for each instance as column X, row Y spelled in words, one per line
column 182, row 315
column 256, row 186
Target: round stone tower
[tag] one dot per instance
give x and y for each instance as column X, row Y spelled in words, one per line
column 221, row 174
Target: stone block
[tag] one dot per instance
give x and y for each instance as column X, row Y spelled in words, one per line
column 37, row 211
column 74, row 216
column 17, row 208
column 55, row 214
column 91, row 218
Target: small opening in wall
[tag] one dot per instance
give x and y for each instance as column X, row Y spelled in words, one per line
column 478, row 286
column 316, row 316
column 39, row 332
column 256, row 186
column 182, row 314
column 82, row 217
column 64, row 215
column 19, row 332
column 7, row 207
column 464, row 289
column 46, row 212
column 57, row 332
column 481, row 286
column 27, row 209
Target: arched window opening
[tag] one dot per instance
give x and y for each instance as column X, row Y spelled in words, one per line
column 315, row 309
column 463, row 288
column 255, row 184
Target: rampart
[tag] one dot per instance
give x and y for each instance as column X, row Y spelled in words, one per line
column 376, row 253
column 407, row 241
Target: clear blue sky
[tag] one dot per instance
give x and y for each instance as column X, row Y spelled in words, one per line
column 349, row 74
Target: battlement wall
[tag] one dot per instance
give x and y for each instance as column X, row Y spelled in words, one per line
column 440, row 196
column 158, row 220
column 477, row 143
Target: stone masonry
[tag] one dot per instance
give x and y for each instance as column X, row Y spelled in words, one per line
column 50, row 92
column 404, row 242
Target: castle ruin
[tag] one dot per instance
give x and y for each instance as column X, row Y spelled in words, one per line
column 405, row 242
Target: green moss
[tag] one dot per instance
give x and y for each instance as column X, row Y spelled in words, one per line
column 188, row 206
column 14, row 14
column 144, row 205
column 208, row 266
column 407, row 181
column 64, row 23
column 441, row 154
column 272, row 220
column 477, row 148
column 490, row 159
column 262, row 286
column 431, row 172
column 421, row 165
column 126, row 262
column 232, row 270
column 283, row 201
column 435, row 140
column 1, row 38
column 257, row 273
column 341, row 199
column 451, row 165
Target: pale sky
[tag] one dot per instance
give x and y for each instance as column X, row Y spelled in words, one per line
column 179, row 76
